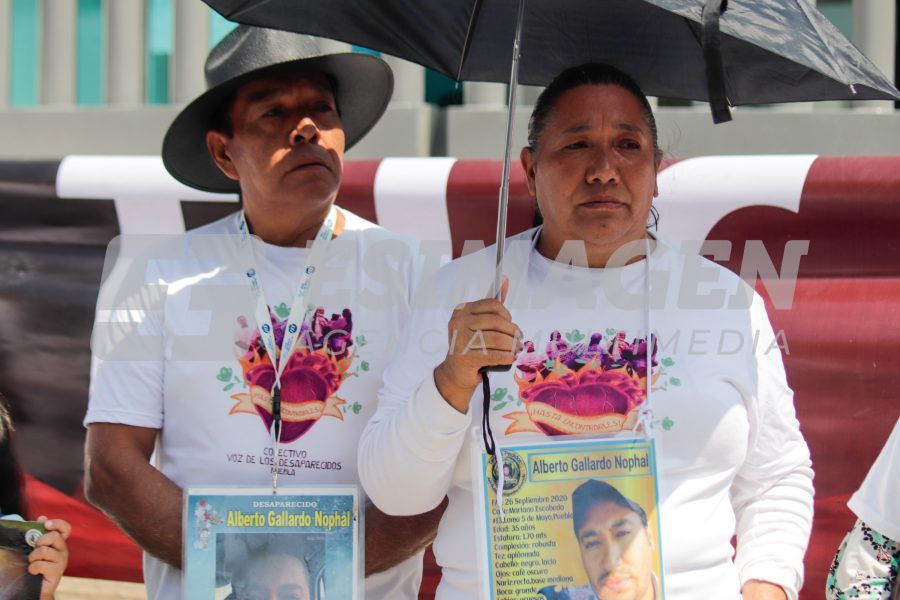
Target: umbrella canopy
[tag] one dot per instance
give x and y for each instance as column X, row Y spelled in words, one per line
column 771, row 50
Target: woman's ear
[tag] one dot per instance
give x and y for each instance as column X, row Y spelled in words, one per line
column 527, row 159
column 217, row 144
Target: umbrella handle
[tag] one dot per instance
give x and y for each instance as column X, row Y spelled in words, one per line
column 711, row 40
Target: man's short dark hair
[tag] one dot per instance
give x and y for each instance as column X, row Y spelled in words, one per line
column 593, row 492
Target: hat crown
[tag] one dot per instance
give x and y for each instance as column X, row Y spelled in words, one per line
column 247, row 49
column 362, row 88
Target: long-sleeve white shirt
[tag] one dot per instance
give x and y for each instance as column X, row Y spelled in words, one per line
column 731, row 456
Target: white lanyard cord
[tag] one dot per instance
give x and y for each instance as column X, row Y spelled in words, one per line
column 645, row 414
column 279, row 359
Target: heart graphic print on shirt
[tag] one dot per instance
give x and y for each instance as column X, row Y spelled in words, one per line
column 576, row 386
column 321, row 361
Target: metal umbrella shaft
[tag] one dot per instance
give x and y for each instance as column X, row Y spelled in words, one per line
column 503, row 200
column 502, row 204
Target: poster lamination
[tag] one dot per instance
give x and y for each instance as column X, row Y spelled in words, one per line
column 17, row 540
column 303, row 542
column 580, row 521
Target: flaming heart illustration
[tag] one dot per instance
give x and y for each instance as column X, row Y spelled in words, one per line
column 587, row 387
column 314, row 373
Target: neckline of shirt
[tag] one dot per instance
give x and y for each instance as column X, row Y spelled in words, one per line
column 544, row 265
column 296, row 254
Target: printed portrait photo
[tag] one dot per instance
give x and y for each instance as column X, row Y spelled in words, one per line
column 15, row 581
column 617, row 549
column 261, row 566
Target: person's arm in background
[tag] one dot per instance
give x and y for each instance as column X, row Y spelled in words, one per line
column 125, row 413
column 868, row 561
column 865, row 566
column 772, row 493
column 120, row 480
column 391, row 540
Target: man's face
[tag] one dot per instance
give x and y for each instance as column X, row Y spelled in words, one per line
column 287, row 142
column 617, row 553
column 278, row 577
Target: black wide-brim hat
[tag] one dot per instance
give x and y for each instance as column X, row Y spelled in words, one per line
column 362, row 89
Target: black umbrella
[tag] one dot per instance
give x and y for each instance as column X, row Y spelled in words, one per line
column 726, row 52
column 771, row 50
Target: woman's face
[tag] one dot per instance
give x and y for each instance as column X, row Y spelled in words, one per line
column 594, row 169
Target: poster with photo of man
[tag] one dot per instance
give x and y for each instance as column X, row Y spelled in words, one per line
column 579, row 521
column 247, row 543
column 17, row 540
column 270, row 565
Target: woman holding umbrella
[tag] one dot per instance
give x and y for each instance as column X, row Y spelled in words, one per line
column 582, row 296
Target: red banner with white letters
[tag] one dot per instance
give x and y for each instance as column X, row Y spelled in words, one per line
column 842, row 330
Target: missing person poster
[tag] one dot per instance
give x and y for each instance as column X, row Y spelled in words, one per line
column 303, row 542
column 17, row 540
column 580, row 521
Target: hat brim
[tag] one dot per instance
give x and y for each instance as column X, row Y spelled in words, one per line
column 363, row 83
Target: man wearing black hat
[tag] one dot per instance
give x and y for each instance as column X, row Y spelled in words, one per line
column 273, row 126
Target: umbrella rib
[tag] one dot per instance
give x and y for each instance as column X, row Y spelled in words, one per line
column 245, row 7
column 812, row 24
column 466, row 43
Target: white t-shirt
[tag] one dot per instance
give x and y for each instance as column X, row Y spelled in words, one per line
column 191, row 372
column 877, row 499
column 731, row 456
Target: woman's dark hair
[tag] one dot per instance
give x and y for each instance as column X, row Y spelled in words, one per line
column 12, row 499
column 589, row 74
column 586, row 74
